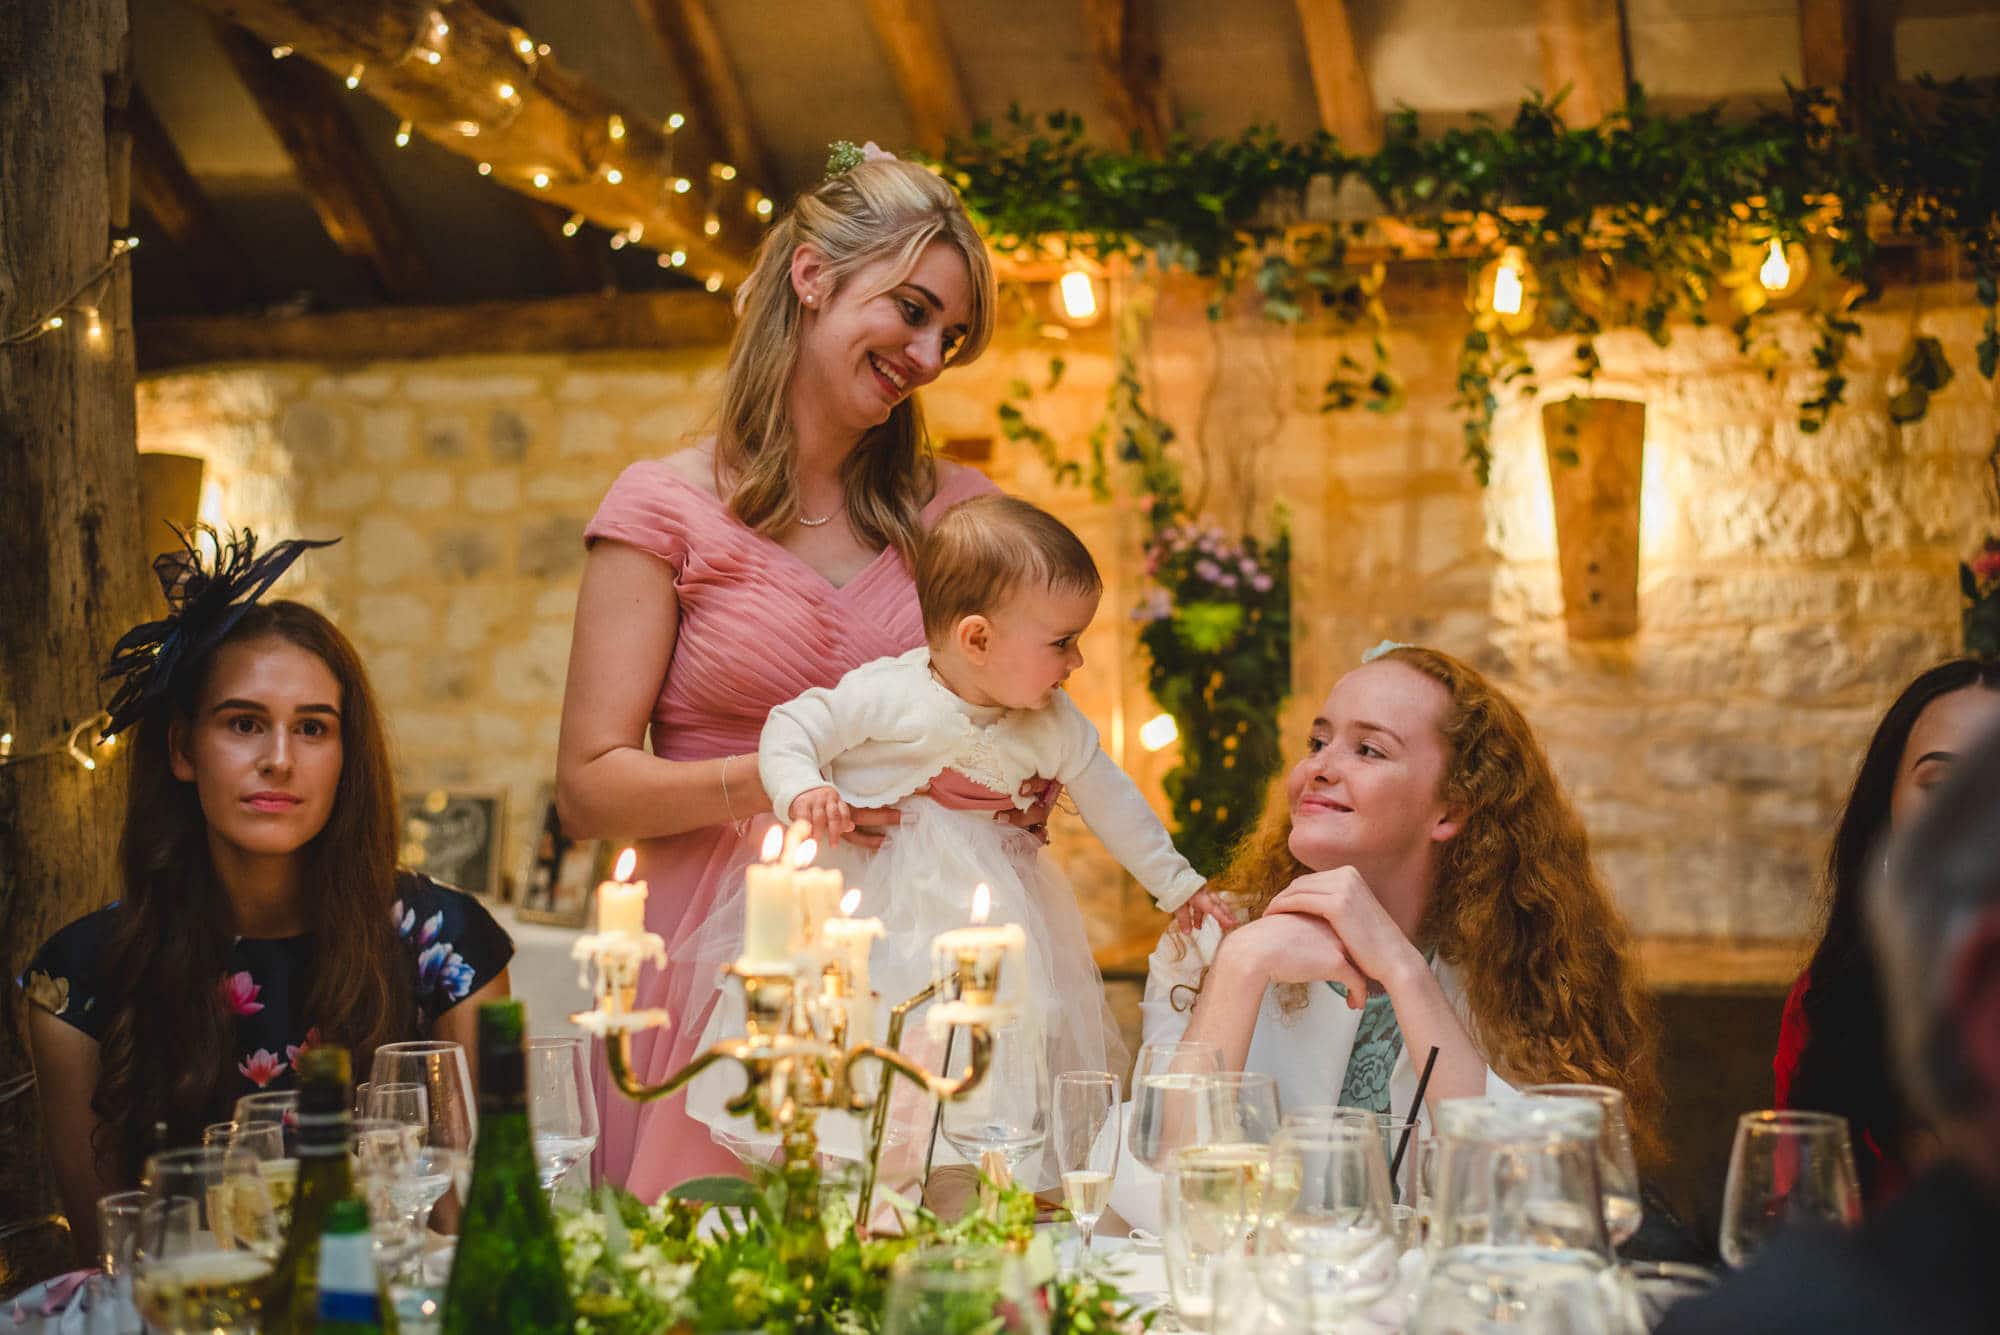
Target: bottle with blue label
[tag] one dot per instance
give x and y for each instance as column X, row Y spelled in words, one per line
column 350, row 1290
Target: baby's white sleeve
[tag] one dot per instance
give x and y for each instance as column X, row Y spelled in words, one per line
column 1116, row 813
column 805, row 735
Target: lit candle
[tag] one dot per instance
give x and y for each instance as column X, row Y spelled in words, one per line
column 621, row 904
column 847, row 940
column 976, row 953
column 768, row 908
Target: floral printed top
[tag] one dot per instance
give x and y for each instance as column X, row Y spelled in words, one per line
column 455, row 949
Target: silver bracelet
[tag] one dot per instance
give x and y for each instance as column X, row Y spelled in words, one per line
column 742, row 827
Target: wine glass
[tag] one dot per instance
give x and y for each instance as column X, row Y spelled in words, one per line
column 947, row 1290
column 1786, row 1168
column 1329, row 1207
column 1246, row 1106
column 399, row 1101
column 1087, row 1136
column 562, row 1110
column 386, row 1163
column 450, row 1121
column 1615, row 1162
column 1173, row 1100
column 264, row 1141
column 206, row 1239
column 1007, row 1112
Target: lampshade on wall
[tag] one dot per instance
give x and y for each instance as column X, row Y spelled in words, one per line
column 169, row 493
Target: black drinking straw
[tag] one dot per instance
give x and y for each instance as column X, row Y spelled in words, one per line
column 1416, row 1104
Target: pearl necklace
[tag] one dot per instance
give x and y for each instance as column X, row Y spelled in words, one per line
column 806, row 522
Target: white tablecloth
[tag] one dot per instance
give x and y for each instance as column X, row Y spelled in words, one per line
column 542, row 973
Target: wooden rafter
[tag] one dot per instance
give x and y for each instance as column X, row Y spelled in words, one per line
column 492, row 95
column 719, row 122
column 629, row 320
column 1340, row 82
column 912, row 36
column 1124, row 42
column 1583, row 50
column 302, row 104
column 164, row 188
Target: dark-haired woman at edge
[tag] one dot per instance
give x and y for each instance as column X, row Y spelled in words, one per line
column 1832, row 1052
column 262, row 910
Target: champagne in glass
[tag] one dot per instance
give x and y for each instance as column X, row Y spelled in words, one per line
column 1087, row 1136
column 201, row 1257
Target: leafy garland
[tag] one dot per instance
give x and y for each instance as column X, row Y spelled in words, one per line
column 1644, row 220
column 637, row 1269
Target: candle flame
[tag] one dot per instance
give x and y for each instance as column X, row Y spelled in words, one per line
column 982, row 903
column 850, row 902
column 803, row 855
column 774, row 839
column 626, row 861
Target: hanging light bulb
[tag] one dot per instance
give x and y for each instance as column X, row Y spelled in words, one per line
column 1158, row 732
column 403, row 135
column 93, row 327
column 1507, row 290
column 1076, row 295
column 1783, row 268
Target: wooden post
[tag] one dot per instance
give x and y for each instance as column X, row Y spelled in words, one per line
column 70, row 542
column 1596, row 451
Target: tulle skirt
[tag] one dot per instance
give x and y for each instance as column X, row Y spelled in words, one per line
column 920, row 883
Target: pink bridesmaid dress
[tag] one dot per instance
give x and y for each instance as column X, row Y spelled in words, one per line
column 757, row 626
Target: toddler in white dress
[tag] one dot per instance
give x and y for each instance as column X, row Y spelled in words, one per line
column 949, row 734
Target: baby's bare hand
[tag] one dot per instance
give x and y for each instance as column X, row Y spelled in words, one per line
column 1204, row 904
column 831, row 818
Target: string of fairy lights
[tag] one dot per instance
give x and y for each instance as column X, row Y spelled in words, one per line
column 77, row 744
column 429, row 46
column 80, row 305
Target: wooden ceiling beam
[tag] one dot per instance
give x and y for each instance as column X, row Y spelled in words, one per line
column 1583, row 50
column 302, row 104
column 492, row 95
column 621, row 321
column 1340, row 82
column 1125, row 43
column 166, row 190
column 912, row 36
column 719, row 122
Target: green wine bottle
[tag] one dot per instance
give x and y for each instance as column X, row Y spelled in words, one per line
column 326, row 1175
column 351, row 1297
column 507, row 1276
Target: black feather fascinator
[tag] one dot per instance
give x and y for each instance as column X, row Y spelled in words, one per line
column 203, row 606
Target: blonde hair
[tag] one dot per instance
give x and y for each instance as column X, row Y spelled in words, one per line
column 1551, row 980
column 875, row 211
column 982, row 550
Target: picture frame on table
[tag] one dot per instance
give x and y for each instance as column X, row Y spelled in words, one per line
column 457, row 837
column 561, row 872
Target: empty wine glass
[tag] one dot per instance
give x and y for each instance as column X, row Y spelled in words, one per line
column 1329, row 1207
column 1087, row 1136
column 399, row 1101
column 1786, row 1168
column 206, row 1240
column 1006, row 1113
column 450, row 1121
column 1173, row 1100
column 562, row 1110
column 386, row 1161
column 1616, row 1164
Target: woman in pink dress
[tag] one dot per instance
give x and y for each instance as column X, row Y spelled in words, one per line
column 729, row 577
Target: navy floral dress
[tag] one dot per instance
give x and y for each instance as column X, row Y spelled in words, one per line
column 455, row 949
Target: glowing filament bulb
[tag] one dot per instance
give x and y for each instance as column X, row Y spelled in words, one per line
column 711, row 225
column 403, row 135
column 280, row 51
column 485, row 169
column 433, row 58
column 54, row 322
column 1507, row 287
column 714, row 283
column 725, row 171
column 682, row 185
column 506, row 91
column 1079, row 296
column 619, row 241
column 679, row 258
column 1158, row 732
column 354, row 77
column 572, row 224
column 93, row 328
column 675, row 121
column 613, row 175
column 525, row 45
column 763, row 207
column 664, row 261
column 617, row 126
column 1776, row 272
column 541, row 180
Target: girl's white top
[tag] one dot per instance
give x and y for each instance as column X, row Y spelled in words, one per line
column 890, row 726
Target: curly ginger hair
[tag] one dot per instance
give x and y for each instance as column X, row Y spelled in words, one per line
column 1550, row 976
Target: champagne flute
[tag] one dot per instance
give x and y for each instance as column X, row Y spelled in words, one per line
column 1616, row 1163
column 450, row 1120
column 1087, row 1136
column 206, row 1240
column 562, row 1110
column 1173, row 1100
column 1786, row 1168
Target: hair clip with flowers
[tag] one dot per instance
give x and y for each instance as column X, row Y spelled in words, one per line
column 843, row 156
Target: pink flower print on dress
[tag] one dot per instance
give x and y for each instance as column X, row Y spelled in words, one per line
column 294, row 1050
column 261, row 1067
column 239, row 993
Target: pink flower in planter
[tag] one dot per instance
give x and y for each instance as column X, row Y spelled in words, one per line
column 261, row 1067
column 239, row 994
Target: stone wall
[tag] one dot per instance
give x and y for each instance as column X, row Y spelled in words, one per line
column 1789, row 583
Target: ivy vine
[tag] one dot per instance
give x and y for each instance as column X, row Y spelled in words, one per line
column 1647, row 220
